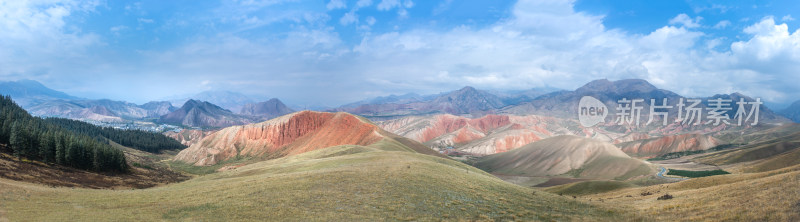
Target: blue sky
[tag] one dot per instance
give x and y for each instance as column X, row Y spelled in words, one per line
column 333, row 52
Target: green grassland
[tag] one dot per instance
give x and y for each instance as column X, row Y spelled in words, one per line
column 695, row 174
column 337, row 183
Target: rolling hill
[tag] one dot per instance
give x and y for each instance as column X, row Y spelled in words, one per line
column 290, row 135
column 568, row 156
column 652, row 147
column 342, row 183
column 760, row 156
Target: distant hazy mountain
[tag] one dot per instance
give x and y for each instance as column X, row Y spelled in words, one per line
column 232, row 101
column 266, row 110
column 398, row 99
column 513, row 97
column 158, row 108
column 565, row 103
column 792, row 112
column 465, row 101
column 27, row 93
column 100, row 110
column 203, row 114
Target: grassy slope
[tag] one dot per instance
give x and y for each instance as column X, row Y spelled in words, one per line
column 600, row 166
column 147, row 170
column 756, row 151
column 341, row 183
column 766, row 196
column 589, row 187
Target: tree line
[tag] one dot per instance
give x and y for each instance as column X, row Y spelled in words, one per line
column 137, row 139
column 35, row 138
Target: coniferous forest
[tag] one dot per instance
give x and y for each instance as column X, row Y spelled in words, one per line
column 35, row 138
column 137, row 139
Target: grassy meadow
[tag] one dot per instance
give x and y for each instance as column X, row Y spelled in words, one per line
column 337, row 183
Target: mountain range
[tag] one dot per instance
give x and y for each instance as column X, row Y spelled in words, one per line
column 27, row 93
column 792, row 112
column 203, row 114
column 564, row 104
column 465, row 101
column 468, row 101
column 232, row 101
column 100, row 110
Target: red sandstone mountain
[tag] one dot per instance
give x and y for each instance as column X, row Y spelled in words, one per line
column 188, row 137
column 486, row 135
column 292, row 134
column 668, row 144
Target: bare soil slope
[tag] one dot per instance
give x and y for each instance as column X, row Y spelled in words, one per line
column 668, row 144
column 561, row 155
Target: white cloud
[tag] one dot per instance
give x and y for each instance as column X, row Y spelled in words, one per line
column 408, row 4
column 386, row 5
column 144, row 20
column 371, row 20
column 686, row 21
column 34, row 36
column 363, row 3
column 787, row 18
column 722, row 24
column 336, row 4
column 402, row 13
column 770, row 42
column 349, row 18
column 548, row 43
column 118, row 28
column 540, row 43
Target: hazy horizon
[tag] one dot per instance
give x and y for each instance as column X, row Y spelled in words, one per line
column 337, row 52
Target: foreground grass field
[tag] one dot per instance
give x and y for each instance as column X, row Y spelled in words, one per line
column 338, row 183
column 765, row 196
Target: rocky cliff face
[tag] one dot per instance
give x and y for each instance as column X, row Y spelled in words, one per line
column 668, row 144
column 188, row 137
column 286, row 135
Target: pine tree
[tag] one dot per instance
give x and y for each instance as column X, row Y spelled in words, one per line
column 59, row 143
column 15, row 140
